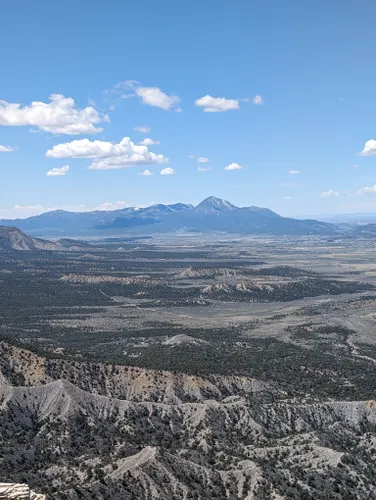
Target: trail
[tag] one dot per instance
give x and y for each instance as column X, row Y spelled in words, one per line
column 355, row 351
column 111, row 298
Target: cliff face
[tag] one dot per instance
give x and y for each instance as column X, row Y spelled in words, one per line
column 13, row 491
column 80, row 431
column 21, row 367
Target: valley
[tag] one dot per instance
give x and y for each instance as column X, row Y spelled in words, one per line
column 189, row 366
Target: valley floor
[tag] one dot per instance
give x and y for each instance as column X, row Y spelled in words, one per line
column 190, row 369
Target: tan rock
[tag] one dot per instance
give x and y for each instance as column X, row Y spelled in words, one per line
column 16, row 491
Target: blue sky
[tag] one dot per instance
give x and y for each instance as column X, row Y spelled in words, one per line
column 292, row 84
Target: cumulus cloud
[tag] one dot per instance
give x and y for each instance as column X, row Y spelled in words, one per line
column 294, row 172
column 203, row 169
column 146, row 173
column 367, row 190
column 329, row 194
column 153, row 96
column 143, row 130
column 59, row 116
column 148, row 142
column 167, row 171
column 286, row 198
column 202, row 159
column 216, row 104
column 54, row 172
column 233, row 166
column 6, row 149
column 369, row 148
column 258, row 100
column 107, row 155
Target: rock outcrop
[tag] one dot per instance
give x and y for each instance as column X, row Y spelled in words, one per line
column 14, row 491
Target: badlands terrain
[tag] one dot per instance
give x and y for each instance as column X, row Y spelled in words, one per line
column 188, row 367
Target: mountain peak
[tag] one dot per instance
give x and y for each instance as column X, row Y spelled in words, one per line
column 214, row 205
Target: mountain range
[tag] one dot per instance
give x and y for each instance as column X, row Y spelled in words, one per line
column 212, row 214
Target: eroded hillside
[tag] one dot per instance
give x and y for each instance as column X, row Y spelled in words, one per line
column 77, row 430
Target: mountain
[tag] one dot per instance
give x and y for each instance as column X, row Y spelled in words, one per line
column 81, row 431
column 62, row 222
column 212, row 214
column 181, row 206
column 142, row 216
column 11, row 238
column 264, row 212
column 213, row 205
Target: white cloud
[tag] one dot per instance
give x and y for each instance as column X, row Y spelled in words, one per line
column 6, row 149
column 367, row 190
column 107, row 155
column 128, row 96
column 144, row 130
column 294, row 172
column 58, row 171
column 148, row 142
column 216, row 104
column 203, row 169
column 329, row 194
column 355, row 166
column 192, row 157
column 369, row 148
column 202, row 159
column 28, row 208
column 153, row 96
column 146, row 173
column 167, row 171
column 258, row 100
column 59, row 116
column 286, row 198
column 233, row 166
column 21, row 211
column 117, row 205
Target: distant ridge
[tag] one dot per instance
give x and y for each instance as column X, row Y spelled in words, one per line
column 212, row 214
column 11, row 238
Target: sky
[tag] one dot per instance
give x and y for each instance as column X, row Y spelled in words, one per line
column 108, row 104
